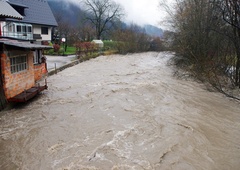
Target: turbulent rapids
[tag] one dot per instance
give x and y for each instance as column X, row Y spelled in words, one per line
column 122, row 112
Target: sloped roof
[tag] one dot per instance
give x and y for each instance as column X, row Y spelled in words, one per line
column 36, row 12
column 7, row 11
column 23, row 44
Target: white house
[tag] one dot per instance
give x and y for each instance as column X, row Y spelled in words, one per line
column 35, row 26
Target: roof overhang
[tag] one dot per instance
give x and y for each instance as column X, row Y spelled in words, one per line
column 7, row 11
column 24, row 45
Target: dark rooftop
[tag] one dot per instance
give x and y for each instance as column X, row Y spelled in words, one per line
column 36, row 12
column 17, row 4
column 6, row 11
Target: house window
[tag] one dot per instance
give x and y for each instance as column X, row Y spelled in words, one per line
column 19, row 28
column 37, row 56
column 18, row 63
column 24, row 29
column 44, row 30
column 11, row 28
column 29, row 29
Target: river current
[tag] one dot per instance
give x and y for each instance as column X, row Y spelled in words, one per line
column 122, row 112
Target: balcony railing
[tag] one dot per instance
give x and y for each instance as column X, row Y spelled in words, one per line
column 20, row 35
column 21, row 31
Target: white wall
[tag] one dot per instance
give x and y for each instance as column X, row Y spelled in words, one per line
column 2, row 24
column 37, row 30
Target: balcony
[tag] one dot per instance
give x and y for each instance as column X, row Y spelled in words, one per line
column 17, row 31
column 16, row 35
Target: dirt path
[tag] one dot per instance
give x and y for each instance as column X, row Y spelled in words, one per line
column 122, row 112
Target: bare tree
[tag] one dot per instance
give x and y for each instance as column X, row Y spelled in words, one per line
column 231, row 15
column 207, row 41
column 131, row 39
column 102, row 14
column 65, row 30
column 197, row 40
column 86, row 30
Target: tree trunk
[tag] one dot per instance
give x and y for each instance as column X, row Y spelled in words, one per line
column 98, row 33
column 237, row 46
column 237, row 80
column 98, row 37
column 66, row 45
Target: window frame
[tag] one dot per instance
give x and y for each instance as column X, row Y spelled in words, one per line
column 19, row 28
column 37, row 56
column 29, row 29
column 18, row 63
column 44, row 31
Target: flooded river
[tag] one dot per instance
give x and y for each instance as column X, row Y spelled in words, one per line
column 122, row 113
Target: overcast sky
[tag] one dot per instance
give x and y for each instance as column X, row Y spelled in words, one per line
column 142, row 11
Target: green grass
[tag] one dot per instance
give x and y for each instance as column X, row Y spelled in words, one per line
column 109, row 48
column 70, row 51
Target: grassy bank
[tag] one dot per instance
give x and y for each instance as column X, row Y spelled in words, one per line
column 69, row 51
column 109, row 48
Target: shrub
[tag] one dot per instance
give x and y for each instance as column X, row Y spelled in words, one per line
column 56, row 47
column 45, row 43
column 84, row 48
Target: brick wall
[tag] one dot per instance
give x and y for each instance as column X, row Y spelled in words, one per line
column 40, row 71
column 15, row 83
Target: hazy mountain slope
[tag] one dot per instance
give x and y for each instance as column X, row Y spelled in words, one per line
column 67, row 10
column 71, row 12
column 153, row 31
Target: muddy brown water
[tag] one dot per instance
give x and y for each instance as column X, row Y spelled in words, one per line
column 122, row 113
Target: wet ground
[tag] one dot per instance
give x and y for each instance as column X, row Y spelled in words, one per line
column 58, row 61
column 122, row 113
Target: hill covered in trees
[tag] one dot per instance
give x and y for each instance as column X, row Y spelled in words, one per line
column 66, row 10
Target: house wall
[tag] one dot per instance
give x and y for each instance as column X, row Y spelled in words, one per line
column 2, row 23
column 40, row 71
column 37, row 30
column 0, row 28
column 16, row 83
